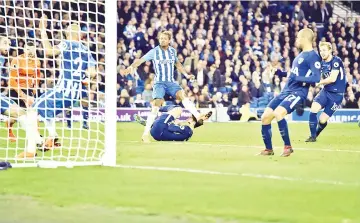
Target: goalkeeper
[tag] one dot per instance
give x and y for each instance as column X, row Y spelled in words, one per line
column 28, row 120
column 167, row 127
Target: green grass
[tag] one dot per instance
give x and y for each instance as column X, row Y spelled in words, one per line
column 301, row 188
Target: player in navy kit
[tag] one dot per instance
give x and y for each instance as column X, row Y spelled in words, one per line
column 305, row 71
column 167, row 126
column 331, row 96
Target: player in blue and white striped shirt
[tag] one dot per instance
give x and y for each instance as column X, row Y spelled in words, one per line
column 164, row 58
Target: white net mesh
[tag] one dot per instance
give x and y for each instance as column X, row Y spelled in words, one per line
column 19, row 21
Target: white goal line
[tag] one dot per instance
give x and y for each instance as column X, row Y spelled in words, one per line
column 252, row 175
column 249, row 147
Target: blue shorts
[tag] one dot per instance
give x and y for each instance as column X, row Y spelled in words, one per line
column 288, row 100
column 164, row 87
column 330, row 101
column 52, row 103
column 5, row 104
column 164, row 129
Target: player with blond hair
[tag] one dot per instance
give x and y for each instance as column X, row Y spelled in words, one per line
column 164, row 58
column 76, row 68
column 331, row 96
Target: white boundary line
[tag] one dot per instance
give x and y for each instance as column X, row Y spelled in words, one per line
column 249, row 147
column 252, row 175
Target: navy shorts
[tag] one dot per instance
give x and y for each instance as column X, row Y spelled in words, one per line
column 165, row 87
column 330, row 101
column 288, row 100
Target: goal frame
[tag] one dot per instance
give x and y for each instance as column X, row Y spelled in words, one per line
column 108, row 157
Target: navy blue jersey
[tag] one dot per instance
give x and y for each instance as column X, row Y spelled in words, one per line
column 305, row 71
column 76, row 59
column 339, row 86
column 164, row 129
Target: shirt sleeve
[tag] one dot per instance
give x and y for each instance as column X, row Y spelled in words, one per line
column 149, row 55
column 315, row 66
column 336, row 64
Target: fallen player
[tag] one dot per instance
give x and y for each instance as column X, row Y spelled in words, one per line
column 168, row 127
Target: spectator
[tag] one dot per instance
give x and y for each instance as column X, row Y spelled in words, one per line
column 123, row 103
column 130, row 88
column 234, row 110
column 244, row 96
column 351, row 102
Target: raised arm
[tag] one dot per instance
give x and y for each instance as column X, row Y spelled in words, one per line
column 48, row 48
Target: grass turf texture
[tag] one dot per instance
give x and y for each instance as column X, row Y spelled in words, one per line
column 321, row 181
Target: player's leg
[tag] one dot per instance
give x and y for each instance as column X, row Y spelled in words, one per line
column 85, row 107
column 175, row 90
column 318, row 103
column 287, row 106
column 334, row 102
column 28, row 121
column 158, row 95
column 313, row 121
column 266, row 120
column 14, row 97
column 47, row 107
column 68, row 115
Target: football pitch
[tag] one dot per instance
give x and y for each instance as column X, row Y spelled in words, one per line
column 215, row 177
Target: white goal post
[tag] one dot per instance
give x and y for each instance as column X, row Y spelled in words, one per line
column 86, row 128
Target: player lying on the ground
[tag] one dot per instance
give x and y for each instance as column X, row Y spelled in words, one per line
column 164, row 59
column 23, row 81
column 305, row 71
column 77, row 66
column 331, row 96
column 167, row 127
column 27, row 119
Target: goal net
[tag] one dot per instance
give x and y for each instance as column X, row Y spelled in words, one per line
column 85, row 121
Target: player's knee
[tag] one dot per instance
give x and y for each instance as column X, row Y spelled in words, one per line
column 157, row 102
column 280, row 113
column 323, row 118
column 315, row 107
column 84, row 103
column 267, row 117
column 180, row 95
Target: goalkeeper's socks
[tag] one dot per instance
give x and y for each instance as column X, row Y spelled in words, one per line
column 284, row 131
column 85, row 114
column 68, row 118
column 321, row 126
column 313, row 124
column 266, row 134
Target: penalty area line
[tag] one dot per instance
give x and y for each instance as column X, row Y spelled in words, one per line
column 251, row 175
column 249, row 146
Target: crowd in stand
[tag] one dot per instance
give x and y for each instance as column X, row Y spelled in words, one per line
column 235, row 49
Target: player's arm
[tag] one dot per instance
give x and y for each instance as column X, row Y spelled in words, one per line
column 182, row 70
column 48, row 48
column 315, row 74
column 335, row 71
column 147, row 57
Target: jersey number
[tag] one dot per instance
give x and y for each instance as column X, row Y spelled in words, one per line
column 78, row 61
column 72, row 90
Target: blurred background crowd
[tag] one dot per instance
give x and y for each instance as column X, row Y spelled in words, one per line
column 236, row 50
column 231, row 48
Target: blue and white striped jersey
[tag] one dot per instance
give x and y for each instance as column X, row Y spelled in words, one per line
column 76, row 59
column 163, row 62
